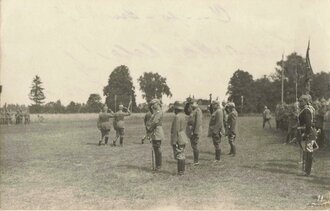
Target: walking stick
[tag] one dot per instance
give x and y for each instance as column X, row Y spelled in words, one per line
column 152, row 159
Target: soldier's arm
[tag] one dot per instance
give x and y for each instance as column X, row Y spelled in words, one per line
column 308, row 120
column 218, row 126
column 155, row 121
column 198, row 121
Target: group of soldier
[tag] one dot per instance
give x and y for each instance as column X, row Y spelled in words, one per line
column 186, row 127
column 286, row 116
column 307, row 124
column 20, row 117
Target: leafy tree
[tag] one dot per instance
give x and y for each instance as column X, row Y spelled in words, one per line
column 120, row 85
column 294, row 71
column 73, row 107
column 153, row 85
column 320, row 86
column 241, row 84
column 94, row 103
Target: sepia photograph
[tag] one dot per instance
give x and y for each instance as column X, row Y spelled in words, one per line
column 164, row 105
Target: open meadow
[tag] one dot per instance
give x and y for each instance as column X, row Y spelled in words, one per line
column 57, row 164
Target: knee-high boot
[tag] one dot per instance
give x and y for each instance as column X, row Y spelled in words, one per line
column 121, row 141
column 196, row 157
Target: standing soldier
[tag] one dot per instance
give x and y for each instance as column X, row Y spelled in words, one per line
column 306, row 133
column 216, row 129
column 103, row 124
column 293, row 123
column 266, row 117
column 179, row 138
column 195, row 125
column 27, row 117
column 119, row 124
column 231, row 127
column 156, row 130
column 147, row 118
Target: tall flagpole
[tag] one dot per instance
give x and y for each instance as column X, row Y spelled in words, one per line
column 296, row 85
column 282, row 88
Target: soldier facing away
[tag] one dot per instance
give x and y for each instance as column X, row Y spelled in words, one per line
column 119, row 124
column 231, row 127
column 266, row 117
column 156, row 130
column 216, row 128
column 194, row 129
column 179, row 138
column 146, row 119
column 103, row 124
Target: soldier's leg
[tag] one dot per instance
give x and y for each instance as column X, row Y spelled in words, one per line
column 309, row 162
column 102, row 136
column 121, row 131
column 180, row 155
column 216, row 143
column 232, row 144
column 106, row 136
column 158, row 154
column 194, row 146
column 117, row 136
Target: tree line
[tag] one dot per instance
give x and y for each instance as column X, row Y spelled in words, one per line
column 118, row 90
column 251, row 95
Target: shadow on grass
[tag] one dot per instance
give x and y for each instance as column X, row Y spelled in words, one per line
column 146, row 169
column 93, row 144
column 271, row 170
column 324, row 182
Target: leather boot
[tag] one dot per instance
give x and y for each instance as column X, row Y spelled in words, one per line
column 231, row 149
column 196, row 157
column 181, row 167
column 106, row 140
column 121, row 141
column 234, row 150
column 158, row 158
column 217, row 154
column 100, row 142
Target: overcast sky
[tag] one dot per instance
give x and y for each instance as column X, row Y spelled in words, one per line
column 73, row 45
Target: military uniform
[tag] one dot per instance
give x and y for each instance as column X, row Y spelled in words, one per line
column 195, row 130
column 307, row 135
column 266, row 117
column 231, row 128
column 293, row 124
column 216, row 130
column 119, row 126
column 155, row 128
column 147, row 118
column 179, row 138
column 104, row 125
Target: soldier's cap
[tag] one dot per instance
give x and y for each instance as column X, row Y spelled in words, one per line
column 155, row 101
column 215, row 102
column 178, row 105
column 224, row 102
column 105, row 107
column 230, row 105
column 194, row 104
column 121, row 106
column 305, row 98
column 265, row 107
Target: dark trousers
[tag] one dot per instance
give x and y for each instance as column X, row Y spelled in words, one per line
column 216, row 142
column 158, row 154
column 194, row 145
column 268, row 121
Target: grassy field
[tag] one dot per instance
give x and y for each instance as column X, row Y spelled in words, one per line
column 57, row 164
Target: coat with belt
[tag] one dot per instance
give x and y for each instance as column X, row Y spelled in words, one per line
column 178, row 134
column 197, row 121
column 216, row 123
column 231, row 123
column 103, row 122
column 118, row 121
column 155, row 126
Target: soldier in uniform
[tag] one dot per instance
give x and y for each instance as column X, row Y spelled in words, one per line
column 103, row 124
column 195, row 129
column 156, row 130
column 231, row 127
column 216, row 128
column 119, row 124
column 266, row 117
column 307, row 133
column 147, row 118
column 179, row 138
column 27, row 117
column 292, row 124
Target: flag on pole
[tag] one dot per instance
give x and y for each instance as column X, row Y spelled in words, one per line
column 308, row 71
